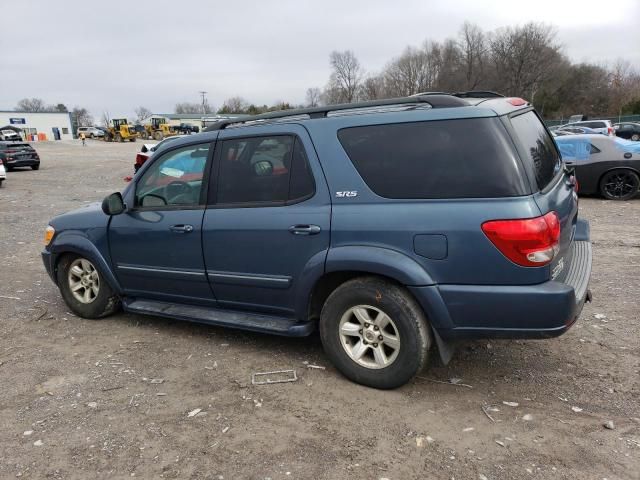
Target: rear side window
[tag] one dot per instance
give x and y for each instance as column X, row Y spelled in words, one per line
column 463, row 158
column 539, row 146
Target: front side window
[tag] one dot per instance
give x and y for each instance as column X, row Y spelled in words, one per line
column 270, row 169
column 175, row 179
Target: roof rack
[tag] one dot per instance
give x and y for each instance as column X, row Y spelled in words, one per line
column 434, row 100
column 477, row 94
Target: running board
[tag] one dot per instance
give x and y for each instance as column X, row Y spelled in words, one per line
column 224, row 318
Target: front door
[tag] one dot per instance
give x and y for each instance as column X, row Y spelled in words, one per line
column 268, row 223
column 156, row 245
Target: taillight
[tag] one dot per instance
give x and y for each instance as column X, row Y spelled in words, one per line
column 610, row 130
column 141, row 158
column 530, row 242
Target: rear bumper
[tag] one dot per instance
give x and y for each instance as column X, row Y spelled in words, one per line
column 22, row 162
column 496, row 311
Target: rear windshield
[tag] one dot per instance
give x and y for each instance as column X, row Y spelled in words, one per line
column 14, row 146
column 463, row 158
column 540, row 147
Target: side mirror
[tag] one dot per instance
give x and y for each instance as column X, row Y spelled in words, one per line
column 263, row 168
column 113, row 204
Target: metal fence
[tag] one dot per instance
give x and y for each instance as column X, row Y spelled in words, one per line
column 619, row 119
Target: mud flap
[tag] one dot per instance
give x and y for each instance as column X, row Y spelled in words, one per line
column 445, row 349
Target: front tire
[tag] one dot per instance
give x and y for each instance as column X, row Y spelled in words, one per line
column 619, row 184
column 375, row 333
column 635, row 137
column 35, row 167
column 84, row 289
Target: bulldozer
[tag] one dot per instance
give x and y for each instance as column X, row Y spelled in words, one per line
column 119, row 131
column 158, row 129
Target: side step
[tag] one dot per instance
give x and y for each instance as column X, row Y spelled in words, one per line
column 224, row 318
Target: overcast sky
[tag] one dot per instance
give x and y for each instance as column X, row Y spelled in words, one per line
column 116, row 55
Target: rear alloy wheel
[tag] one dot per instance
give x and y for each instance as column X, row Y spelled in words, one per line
column 375, row 332
column 635, row 137
column 83, row 288
column 620, row 184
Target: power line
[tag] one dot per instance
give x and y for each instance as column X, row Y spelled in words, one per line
column 204, row 100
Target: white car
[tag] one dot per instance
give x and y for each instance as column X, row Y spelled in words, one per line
column 90, row 132
column 605, row 127
column 10, row 136
column 3, row 173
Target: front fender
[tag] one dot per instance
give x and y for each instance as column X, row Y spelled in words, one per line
column 75, row 242
column 380, row 261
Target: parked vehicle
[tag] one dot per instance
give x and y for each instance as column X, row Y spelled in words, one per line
column 576, row 130
column 91, row 132
column 119, row 131
column 604, row 127
column 628, row 130
column 3, row 173
column 10, row 136
column 158, row 128
column 147, row 151
column 186, row 128
column 608, row 166
column 395, row 226
column 14, row 154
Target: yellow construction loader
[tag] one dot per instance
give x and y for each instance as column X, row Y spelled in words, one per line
column 119, row 131
column 158, row 129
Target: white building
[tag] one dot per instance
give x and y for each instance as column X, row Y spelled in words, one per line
column 54, row 126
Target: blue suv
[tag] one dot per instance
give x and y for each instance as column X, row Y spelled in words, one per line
column 394, row 226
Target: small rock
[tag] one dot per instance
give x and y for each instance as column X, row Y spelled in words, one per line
column 430, row 439
column 454, row 380
column 527, row 418
column 27, row 433
column 419, row 442
column 482, row 477
column 193, row 413
column 511, row 404
column 609, row 425
column 37, row 443
column 92, row 405
column 576, row 409
column 599, row 316
column 500, row 443
column 161, row 394
column 468, row 429
column 157, row 380
column 225, row 429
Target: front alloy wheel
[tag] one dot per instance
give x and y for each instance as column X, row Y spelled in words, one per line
column 369, row 336
column 619, row 185
column 84, row 281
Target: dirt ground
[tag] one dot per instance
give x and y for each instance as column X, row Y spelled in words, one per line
column 111, row 399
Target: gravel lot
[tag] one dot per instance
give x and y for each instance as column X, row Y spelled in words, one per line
column 110, row 399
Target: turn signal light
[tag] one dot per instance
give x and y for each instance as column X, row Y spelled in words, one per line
column 48, row 234
column 530, row 242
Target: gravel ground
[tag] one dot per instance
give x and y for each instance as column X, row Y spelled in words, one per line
column 111, row 398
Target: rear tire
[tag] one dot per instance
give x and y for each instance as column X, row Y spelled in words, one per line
column 84, row 289
column 35, row 167
column 375, row 333
column 619, row 184
column 635, row 137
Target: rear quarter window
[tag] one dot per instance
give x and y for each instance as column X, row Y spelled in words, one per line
column 539, row 147
column 462, row 158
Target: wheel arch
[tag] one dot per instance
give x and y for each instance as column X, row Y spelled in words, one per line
column 77, row 244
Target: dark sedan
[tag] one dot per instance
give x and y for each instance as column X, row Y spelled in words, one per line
column 609, row 166
column 628, row 130
column 15, row 154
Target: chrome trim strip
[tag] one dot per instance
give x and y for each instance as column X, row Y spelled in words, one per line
column 265, row 278
column 160, row 270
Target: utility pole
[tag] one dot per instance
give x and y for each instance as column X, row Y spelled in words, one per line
column 204, row 99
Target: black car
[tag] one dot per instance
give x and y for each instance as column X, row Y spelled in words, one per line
column 15, row 154
column 608, row 166
column 628, row 130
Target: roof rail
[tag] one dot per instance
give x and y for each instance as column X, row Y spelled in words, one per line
column 435, row 100
column 477, row 94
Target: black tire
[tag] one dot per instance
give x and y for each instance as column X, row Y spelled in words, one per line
column 35, row 167
column 8, row 168
column 619, row 184
column 407, row 318
column 105, row 302
column 1, row 180
column 635, row 137
column 132, row 139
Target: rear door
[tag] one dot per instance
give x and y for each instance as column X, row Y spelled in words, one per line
column 554, row 191
column 267, row 226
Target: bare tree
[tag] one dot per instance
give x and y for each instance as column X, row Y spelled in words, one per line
column 234, row 105
column 624, row 85
column 106, row 119
column 82, row 117
column 31, row 105
column 524, row 56
column 187, row 107
column 142, row 113
column 373, row 88
column 474, row 54
column 345, row 77
column 313, row 97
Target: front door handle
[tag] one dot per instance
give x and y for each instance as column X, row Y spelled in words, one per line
column 181, row 228
column 304, row 229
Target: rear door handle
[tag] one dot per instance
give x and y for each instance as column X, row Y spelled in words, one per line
column 181, row 228
column 304, row 229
